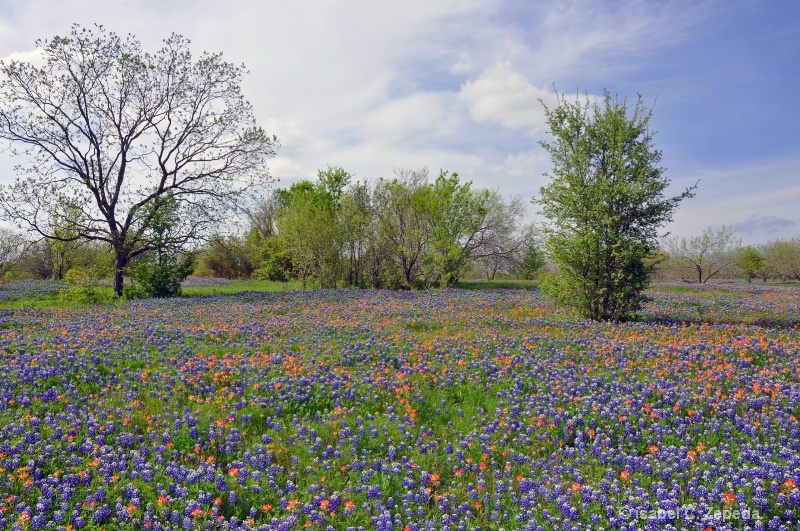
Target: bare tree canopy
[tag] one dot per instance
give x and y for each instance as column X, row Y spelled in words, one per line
column 704, row 257
column 112, row 137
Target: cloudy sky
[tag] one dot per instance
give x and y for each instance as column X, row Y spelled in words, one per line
column 373, row 85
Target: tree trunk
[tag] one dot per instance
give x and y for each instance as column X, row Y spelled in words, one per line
column 119, row 269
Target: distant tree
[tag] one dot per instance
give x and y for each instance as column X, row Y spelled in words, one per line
column 13, row 248
column 750, row 262
column 225, row 257
column 37, row 263
column 65, row 245
column 262, row 217
column 530, row 256
column 106, row 130
column 503, row 238
column 457, row 217
column 91, row 261
column 605, row 204
column 782, row 259
column 358, row 224
column 275, row 261
column 309, row 221
column 401, row 208
column 706, row 256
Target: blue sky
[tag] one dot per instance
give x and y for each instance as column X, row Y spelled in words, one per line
column 372, row 86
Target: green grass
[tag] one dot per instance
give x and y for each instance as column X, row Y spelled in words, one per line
column 240, row 286
column 59, row 302
column 53, row 302
column 496, row 284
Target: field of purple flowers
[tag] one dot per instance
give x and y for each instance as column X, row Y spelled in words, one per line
column 402, row 411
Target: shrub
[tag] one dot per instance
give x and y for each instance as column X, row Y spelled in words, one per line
column 159, row 280
column 87, row 293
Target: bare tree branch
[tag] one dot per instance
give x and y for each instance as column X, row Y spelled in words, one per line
column 107, row 130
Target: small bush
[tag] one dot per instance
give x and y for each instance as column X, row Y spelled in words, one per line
column 159, row 280
column 86, row 293
column 76, row 275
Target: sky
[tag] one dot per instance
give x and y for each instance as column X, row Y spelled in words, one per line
column 374, row 86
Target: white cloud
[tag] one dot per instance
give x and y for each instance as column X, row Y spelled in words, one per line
column 606, row 38
column 33, row 56
column 502, row 95
column 463, row 65
column 399, row 118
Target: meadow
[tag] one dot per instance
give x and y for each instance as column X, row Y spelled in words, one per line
column 359, row 409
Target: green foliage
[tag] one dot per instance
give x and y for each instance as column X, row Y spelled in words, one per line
column 402, row 208
column 532, row 259
column 87, row 293
column 403, row 233
column 308, row 220
column 275, row 261
column 160, row 280
column 64, row 245
column 13, row 247
column 783, row 259
column 750, row 262
column 605, row 202
column 226, row 257
column 456, row 214
column 357, row 219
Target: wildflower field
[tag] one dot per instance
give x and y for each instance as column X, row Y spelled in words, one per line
column 402, row 411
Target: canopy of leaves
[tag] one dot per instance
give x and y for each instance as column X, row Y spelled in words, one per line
column 605, row 203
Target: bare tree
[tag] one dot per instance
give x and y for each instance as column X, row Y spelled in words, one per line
column 107, row 132
column 500, row 237
column 701, row 258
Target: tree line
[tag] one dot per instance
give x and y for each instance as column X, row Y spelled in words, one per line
column 406, row 232
column 717, row 254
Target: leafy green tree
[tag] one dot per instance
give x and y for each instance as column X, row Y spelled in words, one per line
column 109, row 130
column 531, row 256
column 275, row 261
column 457, row 216
column 162, row 278
column 358, row 224
column 309, row 221
column 605, row 203
column 750, row 262
column 160, row 271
